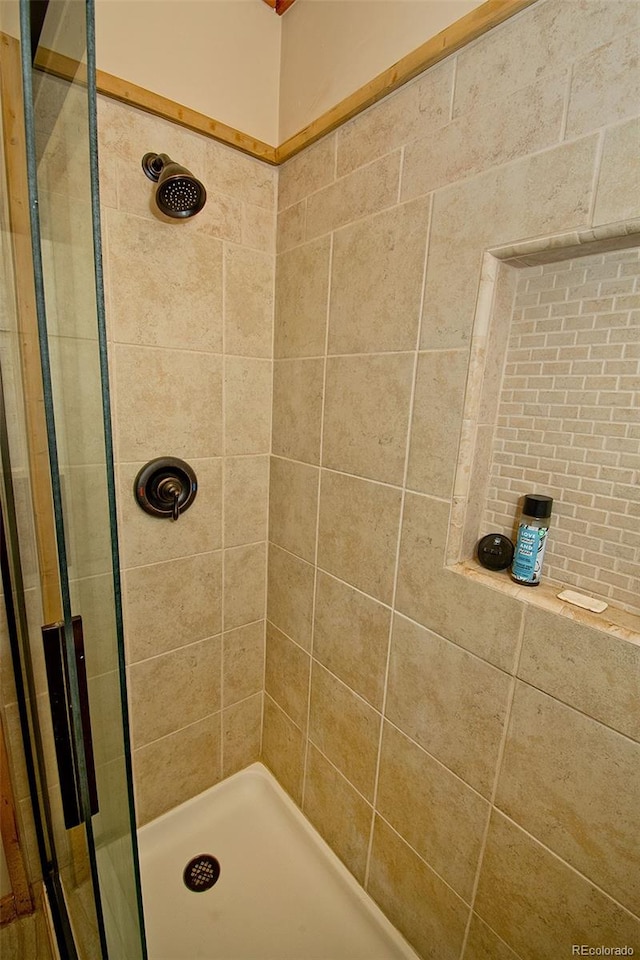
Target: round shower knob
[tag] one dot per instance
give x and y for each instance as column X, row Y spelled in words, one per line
column 166, row 487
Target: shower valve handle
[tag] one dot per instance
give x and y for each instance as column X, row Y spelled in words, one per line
column 166, row 487
column 170, row 490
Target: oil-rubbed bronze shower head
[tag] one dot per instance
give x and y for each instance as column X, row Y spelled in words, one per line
column 179, row 194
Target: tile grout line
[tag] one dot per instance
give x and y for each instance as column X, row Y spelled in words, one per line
column 223, row 496
column 454, row 85
column 496, row 779
column 268, row 491
column 596, row 175
column 567, row 103
column 317, row 544
column 399, row 542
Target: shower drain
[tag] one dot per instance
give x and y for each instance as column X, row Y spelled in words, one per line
column 201, row 873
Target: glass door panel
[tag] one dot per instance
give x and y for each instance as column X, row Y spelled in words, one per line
column 61, row 142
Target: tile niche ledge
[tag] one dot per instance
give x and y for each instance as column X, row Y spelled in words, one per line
column 615, row 621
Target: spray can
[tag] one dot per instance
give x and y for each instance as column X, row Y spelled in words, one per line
column 532, row 540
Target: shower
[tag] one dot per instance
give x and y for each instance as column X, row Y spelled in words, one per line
column 179, row 194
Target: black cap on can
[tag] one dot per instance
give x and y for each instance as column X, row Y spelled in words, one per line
column 538, row 506
column 495, row 551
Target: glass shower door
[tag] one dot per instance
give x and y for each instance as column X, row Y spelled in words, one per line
column 59, row 91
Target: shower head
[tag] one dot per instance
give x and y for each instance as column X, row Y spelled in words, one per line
column 179, row 194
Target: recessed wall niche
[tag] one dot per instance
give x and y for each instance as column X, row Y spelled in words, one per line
column 551, row 406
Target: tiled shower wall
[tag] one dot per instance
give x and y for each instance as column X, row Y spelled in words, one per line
column 567, row 419
column 190, row 322
column 461, row 751
column 473, row 758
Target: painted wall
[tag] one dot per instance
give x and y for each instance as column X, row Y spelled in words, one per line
column 236, row 61
column 221, row 58
column 331, row 48
column 472, row 755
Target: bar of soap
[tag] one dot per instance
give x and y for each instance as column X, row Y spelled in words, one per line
column 580, row 600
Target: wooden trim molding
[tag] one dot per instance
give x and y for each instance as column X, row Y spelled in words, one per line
column 280, row 6
column 473, row 25
column 477, row 22
column 13, row 138
column 159, row 106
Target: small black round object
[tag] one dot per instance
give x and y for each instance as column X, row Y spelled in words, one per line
column 495, row 551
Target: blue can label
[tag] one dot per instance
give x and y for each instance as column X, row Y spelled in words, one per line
column 529, row 555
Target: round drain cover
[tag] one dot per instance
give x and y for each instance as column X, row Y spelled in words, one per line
column 201, row 873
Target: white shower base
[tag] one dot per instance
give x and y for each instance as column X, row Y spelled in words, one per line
column 282, row 893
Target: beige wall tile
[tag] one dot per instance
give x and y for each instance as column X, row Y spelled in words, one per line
column 539, row 905
column 435, row 812
column 242, row 662
column 574, row 785
column 246, row 496
column 524, row 49
column 338, row 812
column 241, row 727
column 171, row 770
column 26, row 937
column 483, row 944
column 365, row 191
column 351, row 637
column 290, row 595
column 301, row 308
column 171, row 604
column 108, row 733
column 421, row 906
column 345, row 729
column 358, row 520
column 410, row 112
column 297, row 408
column 146, row 539
column 244, row 584
column 247, row 417
column 436, row 422
column 605, row 86
column 156, row 393
column 543, row 194
column 287, row 669
column 366, row 414
column 14, row 745
column 283, row 749
column 376, row 281
column 591, row 670
column 241, row 176
column 291, row 229
column 486, row 623
column 222, row 217
column 307, row 172
column 248, row 303
column 258, row 228
column 293, row 506
column 453, row 704
column 85, row 499
column 527, row 120
column 175, row 689
column 619, row 179
column 165, row 285
column 75, row 370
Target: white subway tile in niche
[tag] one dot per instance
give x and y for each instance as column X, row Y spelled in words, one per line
column 552, row 407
